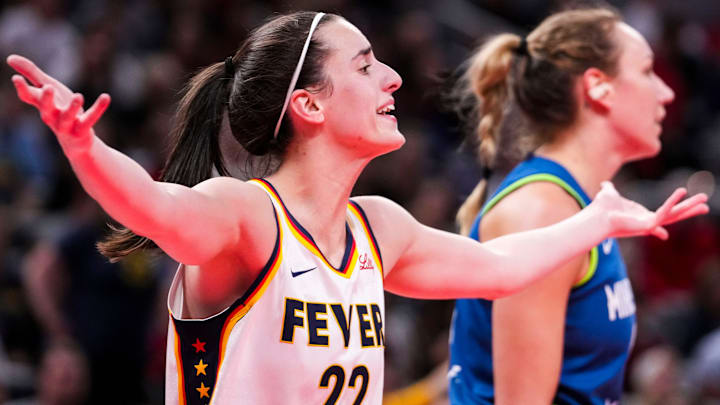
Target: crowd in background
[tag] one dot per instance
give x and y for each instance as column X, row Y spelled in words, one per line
column 75, row 328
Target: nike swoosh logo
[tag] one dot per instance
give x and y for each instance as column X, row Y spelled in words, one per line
column 297, row 273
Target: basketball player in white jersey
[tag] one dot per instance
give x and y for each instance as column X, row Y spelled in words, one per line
column 279, row 297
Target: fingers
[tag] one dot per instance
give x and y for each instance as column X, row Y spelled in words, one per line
column 37, row 78
column 68, row 118
column 93, row 114
column 696, row 210
column 700, row 209
column 48, row 92
column 694, row 200
column 693, row 206
column 660, row 233
column 29, row 70
column 664, row 209
column 26, row 93
column 44, row 100
column 48, row 112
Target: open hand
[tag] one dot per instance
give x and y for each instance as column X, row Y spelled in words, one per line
column 60, row 108
column 628, row 218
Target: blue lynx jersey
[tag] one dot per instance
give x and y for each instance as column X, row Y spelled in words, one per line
column 599, row 325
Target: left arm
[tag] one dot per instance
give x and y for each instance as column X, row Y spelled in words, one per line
column 423, row 262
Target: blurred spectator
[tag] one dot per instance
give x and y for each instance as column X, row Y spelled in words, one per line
column 141, row 51
column 656, row 376
column 39, row 29
column 104, row 309
column 62, row 378
column 703, row 374
column 681, row 320
column 25, row 153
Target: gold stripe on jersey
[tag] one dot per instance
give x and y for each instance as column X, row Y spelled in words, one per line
column 368, row 233
column 178, row 361
column 242, row 309
column 346, row 271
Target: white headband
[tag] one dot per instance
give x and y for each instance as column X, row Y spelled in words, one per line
column 314, row 25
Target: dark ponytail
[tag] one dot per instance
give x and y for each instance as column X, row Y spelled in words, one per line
column 196, row 148
column 196, row 143
column 251, row 87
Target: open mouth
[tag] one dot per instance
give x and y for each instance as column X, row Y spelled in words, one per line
column 387, row 110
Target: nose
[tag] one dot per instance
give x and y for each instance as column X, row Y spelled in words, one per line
column 393, row 81
column 667, row 95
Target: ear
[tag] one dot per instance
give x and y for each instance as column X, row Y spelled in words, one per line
column 305, row 107
column 597, row 89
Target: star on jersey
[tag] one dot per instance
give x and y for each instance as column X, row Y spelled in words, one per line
column 203, row 390
column 200, row 367
column 198, row 345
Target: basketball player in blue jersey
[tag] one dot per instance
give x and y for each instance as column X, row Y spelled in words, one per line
column 585, row 82
column 279, row 295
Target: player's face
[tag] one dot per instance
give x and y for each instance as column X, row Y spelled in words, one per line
column 639, row 97
column 359, row 110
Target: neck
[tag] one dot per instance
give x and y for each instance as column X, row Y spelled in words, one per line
column 315, row 181
column 586, row 151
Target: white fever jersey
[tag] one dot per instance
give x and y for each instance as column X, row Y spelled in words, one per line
column 305, row 332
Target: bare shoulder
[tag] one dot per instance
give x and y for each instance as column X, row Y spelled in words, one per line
column 234, row 195
column 246, row 212
column 231, row 188
column 242, row 203
column 532, row 206
column 384, row 213
column 393, row 226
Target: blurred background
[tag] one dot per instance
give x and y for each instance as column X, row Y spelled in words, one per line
column 75, row 329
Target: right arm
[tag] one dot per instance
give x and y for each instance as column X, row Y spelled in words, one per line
column 528, row 327
column 421, row 262
column 192, row 225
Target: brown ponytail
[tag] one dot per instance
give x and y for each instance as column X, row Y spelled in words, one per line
column 486, row 80
column 195, row 153
column 537, row 76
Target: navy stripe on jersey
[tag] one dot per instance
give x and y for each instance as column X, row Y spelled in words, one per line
column 349, row 240
column 372, row 234
column 200, row 340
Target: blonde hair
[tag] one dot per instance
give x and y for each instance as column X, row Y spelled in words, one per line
column 538, row 77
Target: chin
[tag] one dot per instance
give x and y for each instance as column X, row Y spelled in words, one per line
column 655, row 146
column 398, row 140
column 646, row 151
column 387, row 143
column 641, row 143
column 392, row 138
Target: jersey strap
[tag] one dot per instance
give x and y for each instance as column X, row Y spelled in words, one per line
column 565, row 186
column 350, row 258
column 359, row 213
column 200, row 344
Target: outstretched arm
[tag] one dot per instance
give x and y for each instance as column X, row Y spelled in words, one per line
column 193, row 225
column 423, row 262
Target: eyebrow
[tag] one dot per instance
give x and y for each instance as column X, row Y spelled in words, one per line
column 363, row 52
